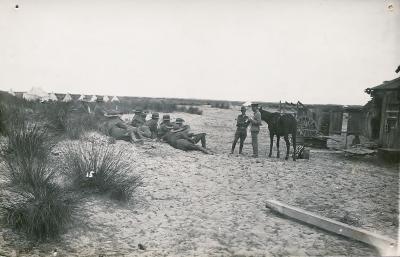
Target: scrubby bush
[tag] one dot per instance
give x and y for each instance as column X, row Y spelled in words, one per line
column 56, row 115
column 41, row 212
column 221, row 105
column 195, row 110
column 26, row 153
column 66, row 120
column 191, row 110
column 2, row 120
column 101, row 169
column 37, row 206
column 78, row 123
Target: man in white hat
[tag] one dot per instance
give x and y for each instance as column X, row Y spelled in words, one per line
column 255, row 122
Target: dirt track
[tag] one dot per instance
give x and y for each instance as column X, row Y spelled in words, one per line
column 196, row 204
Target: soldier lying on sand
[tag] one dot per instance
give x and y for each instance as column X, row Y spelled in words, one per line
column 119, row 130
column 177, row 137
column 195, row 138
column 139, row 122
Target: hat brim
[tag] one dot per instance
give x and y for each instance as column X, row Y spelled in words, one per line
column 111, row 115
column 177, row 130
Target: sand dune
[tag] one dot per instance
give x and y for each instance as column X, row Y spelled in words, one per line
column 193, row 204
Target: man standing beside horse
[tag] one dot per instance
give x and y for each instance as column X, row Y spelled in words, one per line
column 241, row 130
column 255, row 122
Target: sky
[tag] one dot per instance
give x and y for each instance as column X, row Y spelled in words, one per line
column 315, row 51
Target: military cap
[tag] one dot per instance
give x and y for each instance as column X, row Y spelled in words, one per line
column 138, row 111
column 155, row 115
column 254, row 105
column 166, row 117
column 243, row 108
column 179, row 120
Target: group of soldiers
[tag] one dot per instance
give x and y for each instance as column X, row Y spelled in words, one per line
column 176, row 133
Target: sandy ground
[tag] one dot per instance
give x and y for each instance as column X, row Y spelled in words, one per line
column 193, row 204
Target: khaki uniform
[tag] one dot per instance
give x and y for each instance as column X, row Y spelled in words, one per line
column 255, row 129
column 241, row 131
column 119, row 130
column 180, row 140
column 137, row 120
column 163, row 129
column 193, row 137
column 153, row 126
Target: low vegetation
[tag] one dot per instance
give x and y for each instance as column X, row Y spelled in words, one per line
column 190, row 109
column 221, row 105
column 41, row 212
column 36, row 204
column 101, row 169
column 25, row 154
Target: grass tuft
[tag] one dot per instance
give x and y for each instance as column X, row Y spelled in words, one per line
column 109, row 167
column 26, row 154
column 41, row 212
column 37, row 205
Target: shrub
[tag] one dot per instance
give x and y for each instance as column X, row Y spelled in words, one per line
column 191, row 110
column 26, row 155
column 2, row 120
column 78, row 123
column 56, row 115
column 107, row 167
column 221, row 105
column 38, row 206
column 42, row 212
column 195, row 110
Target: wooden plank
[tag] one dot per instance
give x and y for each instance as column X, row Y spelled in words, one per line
column 383, row 243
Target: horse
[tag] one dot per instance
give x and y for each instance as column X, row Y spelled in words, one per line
column 280, row 125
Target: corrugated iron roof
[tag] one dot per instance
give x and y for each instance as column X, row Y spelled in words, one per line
column 388, row 85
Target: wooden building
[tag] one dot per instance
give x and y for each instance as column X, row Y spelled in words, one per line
column 386, row 101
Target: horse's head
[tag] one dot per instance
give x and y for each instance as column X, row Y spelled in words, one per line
column 265, row 115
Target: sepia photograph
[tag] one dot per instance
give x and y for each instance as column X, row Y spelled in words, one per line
column 199, row 128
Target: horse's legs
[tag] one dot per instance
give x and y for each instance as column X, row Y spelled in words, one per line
column 294, row 146
column 277, row 146
column 287, row 146
column 271, row 143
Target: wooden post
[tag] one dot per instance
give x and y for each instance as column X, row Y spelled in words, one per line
column 385, row 244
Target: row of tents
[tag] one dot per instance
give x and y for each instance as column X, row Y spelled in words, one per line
column 38, row 94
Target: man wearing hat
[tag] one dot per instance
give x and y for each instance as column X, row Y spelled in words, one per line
column 138, row 119
column 241, row 129
column 178, row 138
column 255, row 122
column 165, row 126
column 153, row 124
column 195, row 138
column 117, row 129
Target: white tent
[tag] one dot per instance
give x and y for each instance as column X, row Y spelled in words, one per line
column 93, row 99
column 53, row 97
column 106, row 99
column 115, row 99
column 11, row 92
column 67, row 98
column 36, row 93
column 81, row 98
